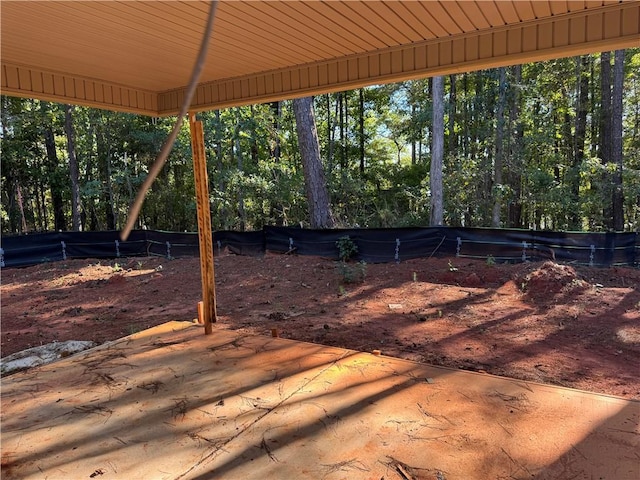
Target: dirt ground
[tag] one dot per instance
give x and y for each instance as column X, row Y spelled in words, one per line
column 565, row 325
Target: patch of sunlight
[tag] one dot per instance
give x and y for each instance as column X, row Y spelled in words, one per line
column 628, row 334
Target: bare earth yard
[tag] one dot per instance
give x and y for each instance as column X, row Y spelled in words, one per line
column 565, row 325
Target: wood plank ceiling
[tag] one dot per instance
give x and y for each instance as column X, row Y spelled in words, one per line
column 137, row 56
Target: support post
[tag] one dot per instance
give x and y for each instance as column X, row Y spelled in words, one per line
column 205, row 236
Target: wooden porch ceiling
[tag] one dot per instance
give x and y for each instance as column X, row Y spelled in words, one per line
column 137, row 56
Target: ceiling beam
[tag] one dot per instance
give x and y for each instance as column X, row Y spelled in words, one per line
column 608, row 28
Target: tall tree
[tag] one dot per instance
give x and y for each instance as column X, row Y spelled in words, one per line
column 331, row 130
column 320, row 214
column 276, row 149
column 616, row 123
column 342, row 102
column 59, row 220
column 465, row 116
column 100, row 123
column 437, row 153
column 237, row 151
column 452, row 139
column 514, row 170
column 361, row 134
column 221, row 186
column 499, row 155
column 73, row 168
column 23, row 218
column 575, row 218
column 606, row 134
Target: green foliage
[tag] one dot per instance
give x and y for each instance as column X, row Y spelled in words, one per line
column 377, row 160
column 347, row 248
column 349, row 272
column 352, row 272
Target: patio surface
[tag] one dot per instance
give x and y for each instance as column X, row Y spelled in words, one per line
column 172, row 403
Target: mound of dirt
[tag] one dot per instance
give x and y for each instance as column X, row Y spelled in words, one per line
column 550, row 279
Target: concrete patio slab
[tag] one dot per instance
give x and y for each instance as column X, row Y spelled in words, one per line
column 172, row 403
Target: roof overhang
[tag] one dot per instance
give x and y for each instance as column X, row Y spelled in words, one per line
column 136, row 56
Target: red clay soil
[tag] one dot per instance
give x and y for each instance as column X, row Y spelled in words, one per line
column 565, row 325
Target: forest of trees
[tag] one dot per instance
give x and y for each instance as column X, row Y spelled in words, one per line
column 549, row 145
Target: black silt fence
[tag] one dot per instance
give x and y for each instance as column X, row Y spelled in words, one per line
column 171, row 244
column 502, row 245
column 374, row 245
column 240, row 243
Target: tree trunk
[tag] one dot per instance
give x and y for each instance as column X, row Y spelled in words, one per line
column 616, row 122
column 21, row 207
column 11, row 205
column 606, row 134
column 238, row 153
column 343, row 157
column 40, row 221
column 575, row 221
column 515, row 153
column 465, row 116
column 88, row 212
column 453, row 138
column 73, row 169
column 437, row 153
column 499, row 156
column 222, row 212
column 593, row 102
column 413, row 140
column 331, row 133
column 254, row 136
column 276, row 209
column 345, row 142
column 361, row 97
column 276, row 109
column 104, row 171
column 485, row 148
column 59, row 222
column 320, row 215
column 565, row 146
